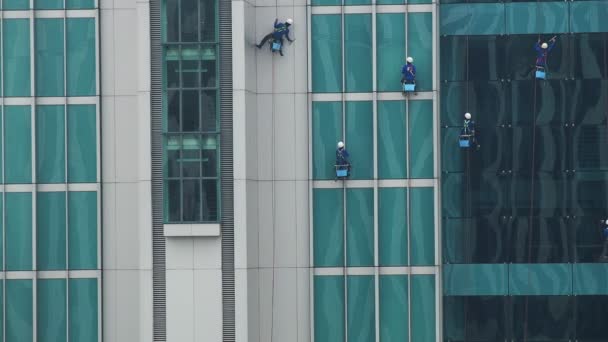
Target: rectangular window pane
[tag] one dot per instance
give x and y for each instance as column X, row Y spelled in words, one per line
column 361, row 309
column 543, row 318
column 19, row 311
column 16, row 49
column 325, row 2
column 329, row 309
column 392, row 226
column 534, row 17
column 589, row 319
column 50, row 144
column 328, row 227
column 359, row 138
column 421, row 139
column 326, row 132
column 589, row 16
column 475, row 280
column 82, row 144
column 359, row 227
column 540, row 279
column 51, row 310
column 358, row 52
column 393, row 308
column 83, row 309
column 422, row 220
column 15, row 4
column 479, row 318
column 49, row 57
column 326, row 53
column 391, row 140
column 423, row 308
column 82, row 230
column 48, row 4
column 18, row 231
column 18, row 144
column 81, row 56
column 420, row 47
column 590, row 279
column 472, row 19
column 79, row 4
column 390, row 51
column 50, row 230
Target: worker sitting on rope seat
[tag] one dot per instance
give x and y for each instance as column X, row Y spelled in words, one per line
column 604, row 255
column 342, row 163
column 542, row 52
column 467, row 133
column 281, row 30
column 408, row 80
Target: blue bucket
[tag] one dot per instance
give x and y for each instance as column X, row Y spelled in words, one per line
column 341, row 173
column 276, row 46
column 540, row 74
column 409, row 87
column 464, row 142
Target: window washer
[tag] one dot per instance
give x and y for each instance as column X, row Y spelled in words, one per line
column 542, row 52
column 468, row 130
column 409, row 73
column 281, row 30
column 604, row 255
column 342, row 162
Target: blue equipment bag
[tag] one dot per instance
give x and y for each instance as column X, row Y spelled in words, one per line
column 464, row 141
column 276, row 46
column 341, row 173
column 409, row 86
column 540, row 73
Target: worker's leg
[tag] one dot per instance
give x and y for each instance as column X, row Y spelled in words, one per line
column 264, row 40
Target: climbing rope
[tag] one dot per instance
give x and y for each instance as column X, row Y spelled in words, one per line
column 273, row 185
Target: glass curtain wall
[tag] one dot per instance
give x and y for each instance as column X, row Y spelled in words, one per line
column 522, row 236
column 190, row 109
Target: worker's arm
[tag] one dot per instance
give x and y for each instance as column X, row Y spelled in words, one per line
column 413, row 71
column 537, row 46
column 551, row 44
column 276, row 22
column 287, row 36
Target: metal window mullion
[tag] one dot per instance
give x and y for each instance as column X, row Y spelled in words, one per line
column 66, row 169
column 345, row 233
column 408, row 190
column 34, row 194
column 375, row 162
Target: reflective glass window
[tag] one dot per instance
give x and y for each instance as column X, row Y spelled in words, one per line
column 81, row 49
column 15, row 4
column 390, row 50
column 49, row 57
column 18, row 234
column 82, row 230
column 419, row 47
column 420, row 126
column 422, row 223
column 329, row 320
column 359, row 138
column 543, row 318
column 392, row 151
column 19, row 310
column 361, row 309
column 475, row 279
column 540, row 279
column 16, row 58
column 358, row 52
column 359, row 227
column 326, row 53
column 326, row 132
column 537, row 17
column 82, row 143
column 588, row 16
column 423, row 308
column 51, row 230
column 84, row 310
column 79, row 4
column 392, row 227
column 477, row 318
column 50, row 144
column 589, row 314
column 393, row 308
column 51, row 311
column 328, row 227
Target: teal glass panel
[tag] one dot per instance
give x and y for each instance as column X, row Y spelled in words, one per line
column 419, row 1
column 361, row 309
column 589, row 16
column 1, row 312
column 79, row 4
column 421, row 139
column 391, row 140
column 359, row 227
column 82, row 144
column 359, row 138
column 392, row 226
column 326, row 53
column 540, row 279
column 591, row 279
column 15, row 4
column 475, row 280
column 1, row 244
column 393, row 308
column 357, row 2
column 49, row 57
column 472, row 19
column 422, row 231
column 51, row 310
column 390, row 51
column 50, row 144
column 390, row 2
column 80, row 48
column 328, row 227
column 18, row 144
column 16, row 59
column 358, row 52
column 82, row 230
column 329, row 309
column 423, row 308
column 50, row 230
column 420, row 47
column 83, row 308
column 537, row 17
column 19, row 311
column 326, row 132
column 325, row 3
column 18, row 219
column 48, row 4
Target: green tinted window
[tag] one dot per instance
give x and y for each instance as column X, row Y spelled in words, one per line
column 472, row 19
column 326, row 40
column 360, row 227
column 18, row 144
column 80, row 48
column 18, row 231
column 421, row 139
column 50, row 144
column 391, row 140
column 392, row 226
column 590, row 279
column 79, row 4
column 422, row 221
column 326, row 132
column 329, row 309
column 19, row 310
column 589, row 16
column 16, row 59
column 420, row 47
column 50, row 230
column 423, row 308
column 537, row 17
column 358, row 52
column 82, row 144
column 49, row 57
column 328, row 227
column 540, row 279
column 361, row 309
column 390, row 50
column 48, row 4
column 359, row 138
column 51, row 310
column 15, row 4
column 84, row 310
column 82, row 230
column 475, row 280
column 393, row 308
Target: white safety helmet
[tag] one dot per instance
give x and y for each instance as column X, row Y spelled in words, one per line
column 467, row 116
column 410, row 60
column 289, row 21
column 606, row 222
column 544, row 45
column 340, row 144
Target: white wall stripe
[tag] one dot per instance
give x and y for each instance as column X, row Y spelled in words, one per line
column 60, row 13
column 393, row 270
column 382, row 183
column 414, row 8
column 381, row 96
column 29, row 101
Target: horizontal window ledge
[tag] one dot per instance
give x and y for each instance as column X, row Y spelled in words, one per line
column 196, row 229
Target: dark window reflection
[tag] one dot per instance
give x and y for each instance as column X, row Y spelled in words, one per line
column 591, row 318
column 480, row 319
column 543, row 318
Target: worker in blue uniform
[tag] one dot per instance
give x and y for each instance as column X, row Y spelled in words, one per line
column 468, row 130
column 342, row 156
column 542, row 52
column 408, row 71
column 281, row 30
